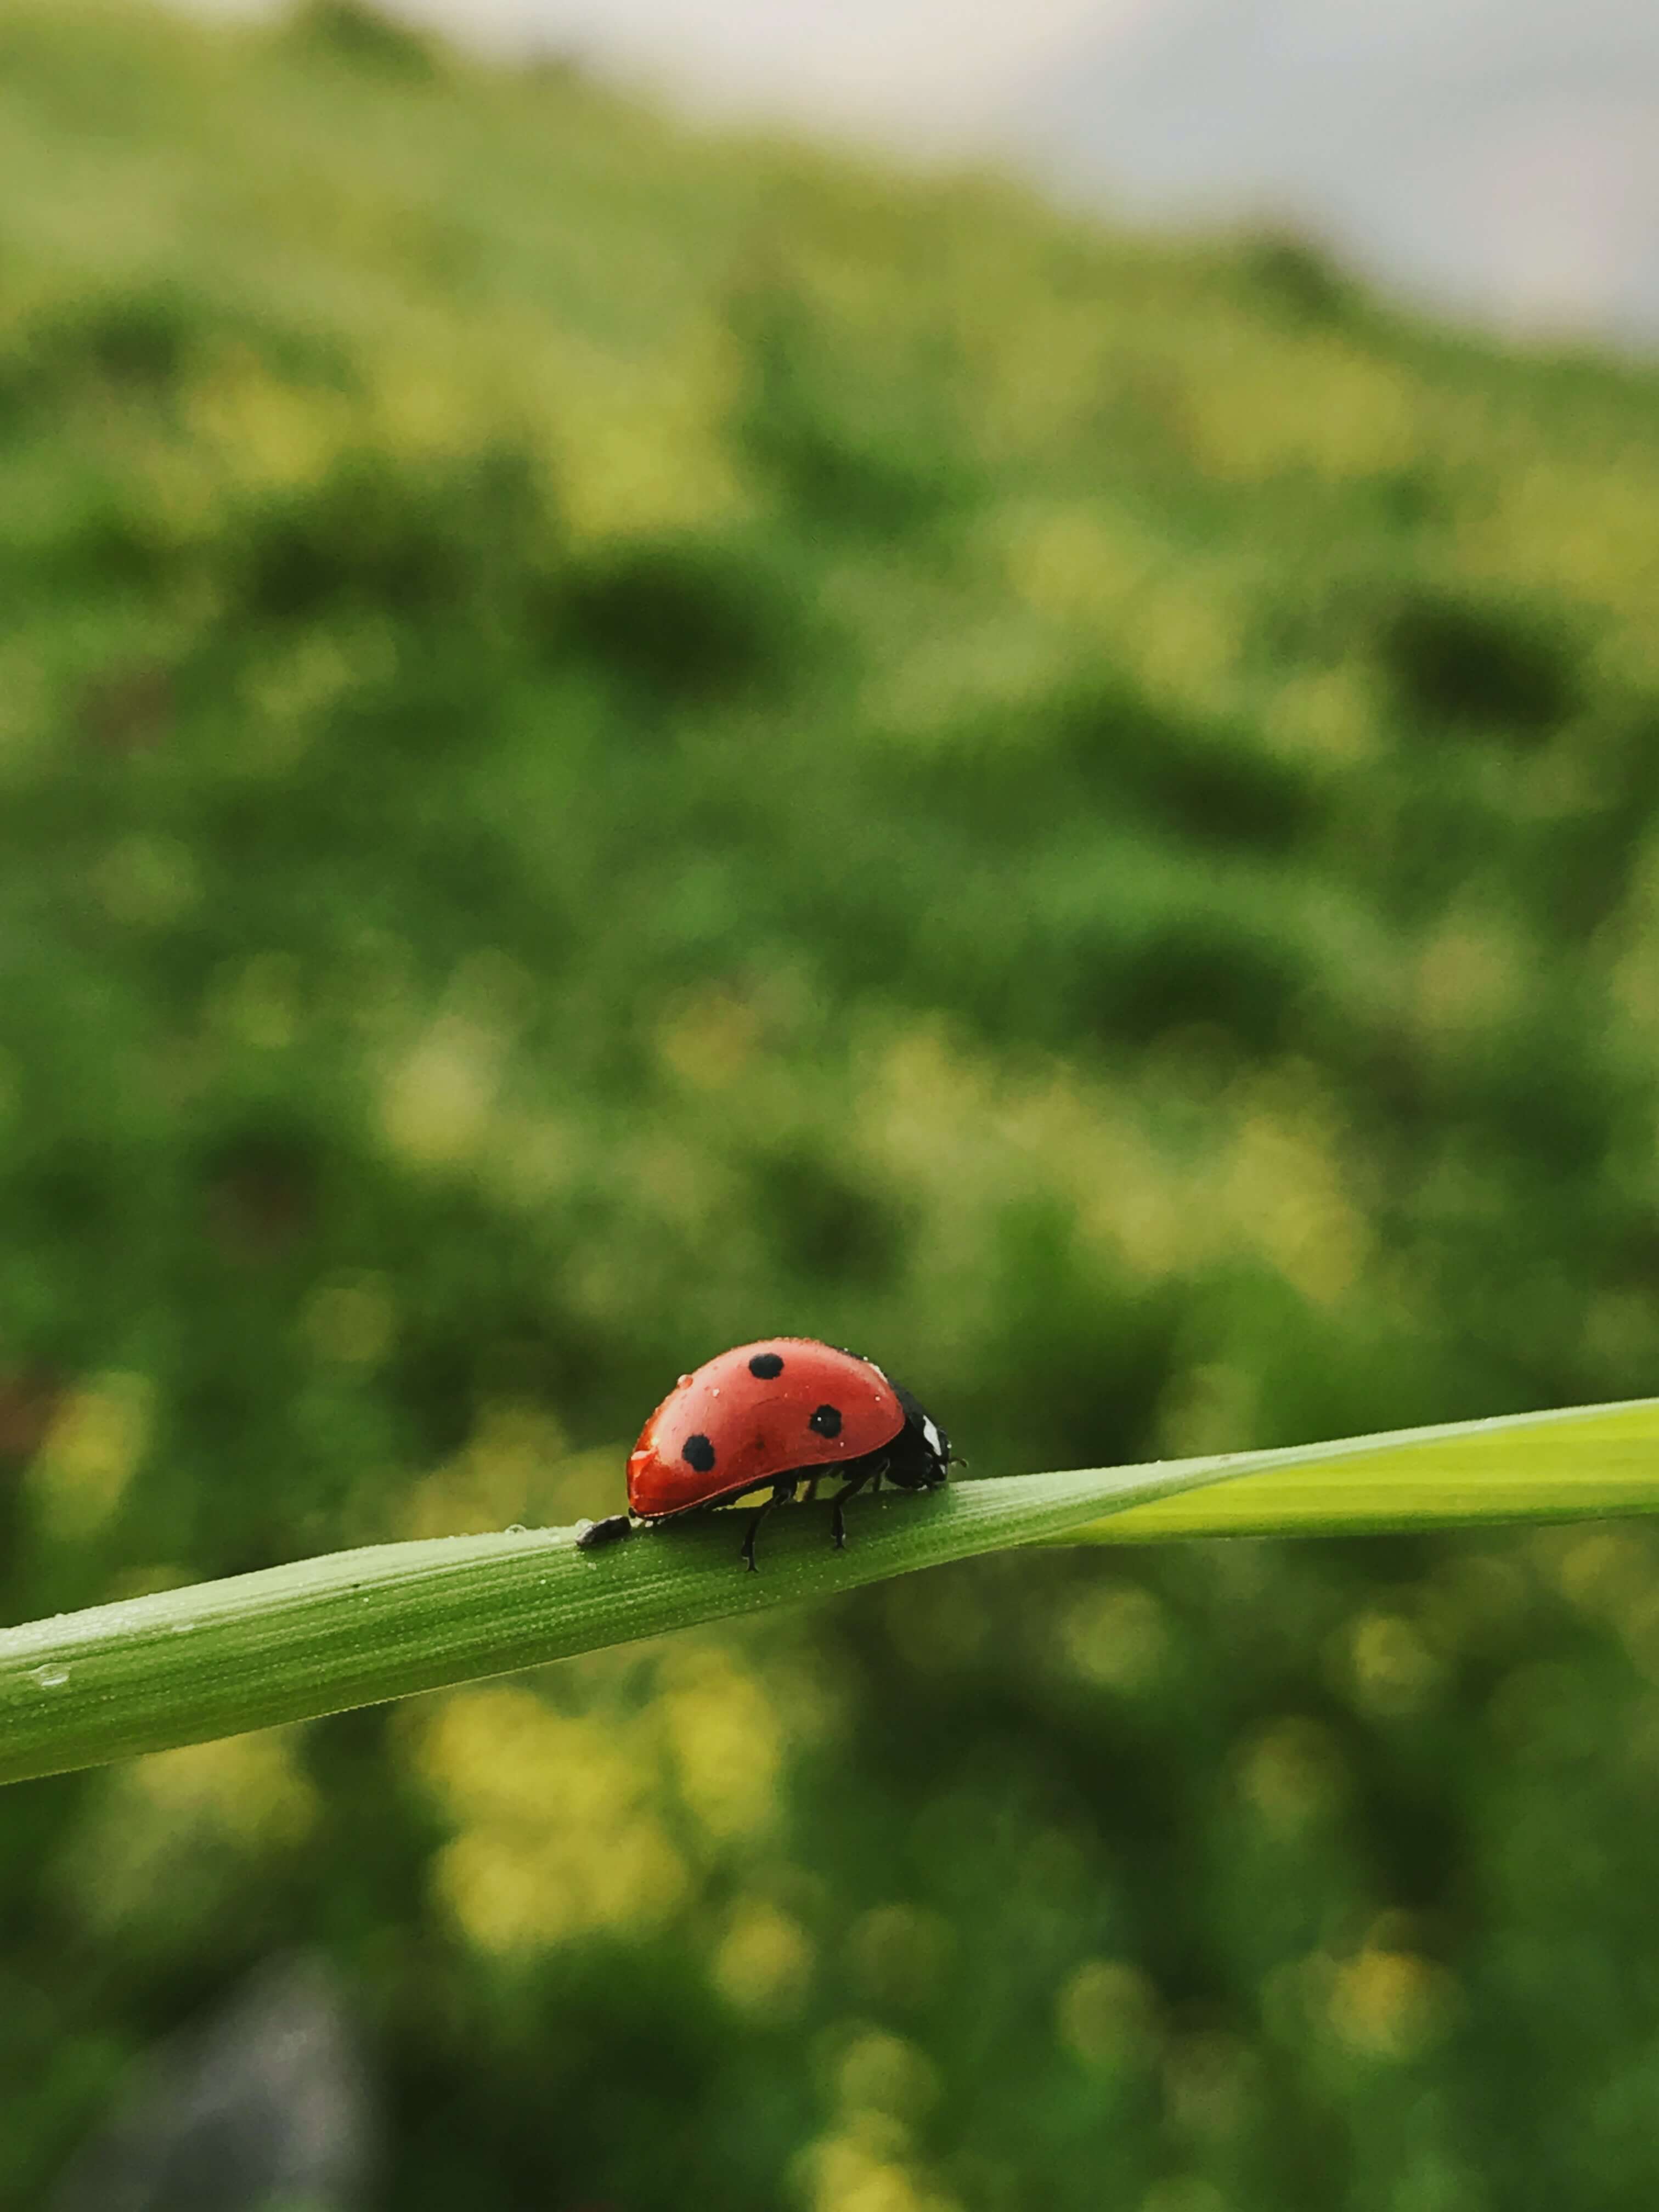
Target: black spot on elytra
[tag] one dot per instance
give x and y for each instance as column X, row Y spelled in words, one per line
column 765, row 1366
column 697, row 1452
column 826, row 1421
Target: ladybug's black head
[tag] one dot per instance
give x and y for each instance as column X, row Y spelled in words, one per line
column 919, row 1457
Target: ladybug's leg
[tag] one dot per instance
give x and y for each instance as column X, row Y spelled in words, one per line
column 838, row 1525
column 780, row 1491
column 605, row 1532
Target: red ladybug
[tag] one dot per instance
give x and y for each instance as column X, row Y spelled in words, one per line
column 778, row 1415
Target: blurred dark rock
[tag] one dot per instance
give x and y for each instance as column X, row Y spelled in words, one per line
column 264, row 2104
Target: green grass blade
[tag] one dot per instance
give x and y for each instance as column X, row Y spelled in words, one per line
column 355, row 1628
column 1583, row 1463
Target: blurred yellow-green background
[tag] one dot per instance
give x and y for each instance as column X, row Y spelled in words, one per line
column 616, row 737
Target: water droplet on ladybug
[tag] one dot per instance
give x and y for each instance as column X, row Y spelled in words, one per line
column 683, row 1380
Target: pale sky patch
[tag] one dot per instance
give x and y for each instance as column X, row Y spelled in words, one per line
column 933, row 70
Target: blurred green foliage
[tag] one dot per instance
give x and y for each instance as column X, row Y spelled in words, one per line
column 613, row 740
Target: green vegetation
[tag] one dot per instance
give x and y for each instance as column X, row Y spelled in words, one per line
column 613, row 740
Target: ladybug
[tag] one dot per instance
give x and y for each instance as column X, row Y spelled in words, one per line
column 780, row 1415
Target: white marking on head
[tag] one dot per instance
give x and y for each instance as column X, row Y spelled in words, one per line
column 931, row 1437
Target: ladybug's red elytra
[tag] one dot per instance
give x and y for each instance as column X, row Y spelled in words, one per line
column 782, row 1415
